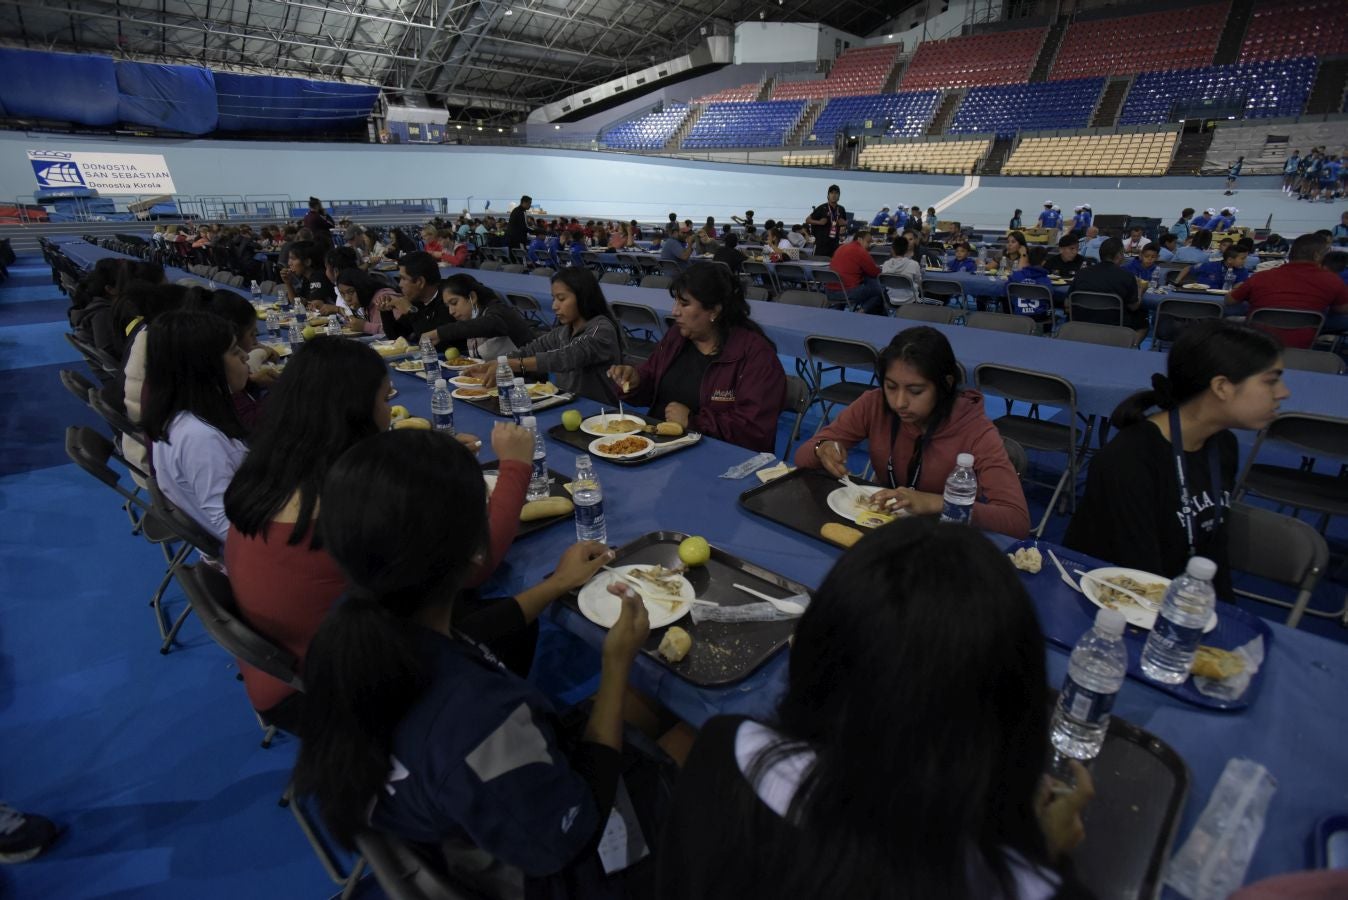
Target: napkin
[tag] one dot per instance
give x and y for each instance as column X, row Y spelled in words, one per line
column 1232, row 688
column 773, row 472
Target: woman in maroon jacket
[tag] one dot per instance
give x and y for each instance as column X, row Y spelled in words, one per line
column 916, row 423
column 715, row 372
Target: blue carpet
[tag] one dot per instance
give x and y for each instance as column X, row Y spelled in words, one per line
column 35, row 311
column 37, row 344
column 34, row 417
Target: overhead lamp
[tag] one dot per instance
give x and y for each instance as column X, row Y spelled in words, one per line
column 556, row 128
column 459, row 127
column 500, row 131
column 509, row 11
column 479, row 128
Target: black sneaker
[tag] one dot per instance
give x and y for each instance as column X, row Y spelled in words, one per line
column 23, row 837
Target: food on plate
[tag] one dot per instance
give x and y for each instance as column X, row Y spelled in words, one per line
column 408, row 365
column 571, row 420
column 668, row 429
column 694, row 551
column 625, row 446
column 1027, row 559
column 666, row 581
column 1211, row 662
column 391, row 348
column 542, row 389
column 1195, row 286
column 675, row 645
column 840, row 534
column 416, row 423
column 467, row 380
column 545, row 509
column 620, row 426
column 398, row 412
column 1153, row 591
column 470, row 393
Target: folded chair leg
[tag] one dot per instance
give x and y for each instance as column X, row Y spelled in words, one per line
column 320, row 846
column 173, row 632
column 1048, row 508
column 156, row 601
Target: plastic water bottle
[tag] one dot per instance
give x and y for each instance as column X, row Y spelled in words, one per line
column 520, row 403
column 504, row 381
column 1155, row 285
column 257, row 292
column 1173, row 642
column 961, row 488
column 301, row 315
column 540, row 486
column 442, row 407
column 588, row 497
column 334, row 325
column 430, row 360
column 273, row 323
column 293, row 337
column 1095, row 673
column 1229, row 280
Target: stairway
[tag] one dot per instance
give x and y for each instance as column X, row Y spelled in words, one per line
column 945, row 112
column 1049, row 52
column 895, row 73
column 996, row 158
column 1189, row 155
column 675, row 141
column 797, row 135
column 1327, row 93
column 765, row 92
column 1233, row 35
column 1111, row 101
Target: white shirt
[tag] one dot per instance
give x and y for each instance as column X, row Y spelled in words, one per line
column 1132, row 246
column 194, row 467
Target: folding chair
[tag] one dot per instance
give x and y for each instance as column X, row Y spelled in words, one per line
column 794, row 275
column 1282, row 549
column 812, row 299
column 1038, row 434
column 1006, row 322
column 544, row 271
column 1303, row 487
column 104, row 367
column 79, row 386
column 825, row 354
column 899, row 290
column 404, row 875
column 614, row 278
column 798, row 399
column 755, row 292
column 1020, row 461
column 1023, row 296
column 831, row 284
column 667, row 268
column 528, row 306
column 923, row 312
column 1092, row 333
column 763, row 274
column 1321, row 361
column 1277, row 320
column 513, row 268
column 661, row 282
column 193, row 537
column 641, row 326
column 1174, row 314
column 490, row 265
column 1089, row 306
column 942, row 291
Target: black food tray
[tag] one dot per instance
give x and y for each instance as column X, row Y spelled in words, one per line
column 558, row 490
column 580, row 441
column 722, row 652
column 493, row 404
column 1140, row 788
column 799, row 500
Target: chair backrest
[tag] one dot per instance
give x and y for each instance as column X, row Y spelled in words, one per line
column 1028, row 298
column 1274, row 319
column 513, row 269
column 829, row 281
column 1174, row 314
column 403, row 874
column 941, row 289
column 1089, row 306
column 1025, row 385
column 1020, row 461
column 91, row 452
column 1311, row 434
column 900, row 289
column 797, row 397
column 992, row 321
column 636, row 317
column 1279, row 548
column 656, row 281
column 117, row 420
column 79, row 386
column 524, row 303
column 212, row 599
column 183, row 525
column 796, row 274
column 613, row 278
column 835, row 351
column 543, row 271
column 98, row 360
column 668, row 268
column 1302, row 360
column 490, row 265
column 755, row 292
column 1094, row 333
column 803, row 298
column 925, row 312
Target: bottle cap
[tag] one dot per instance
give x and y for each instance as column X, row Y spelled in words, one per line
column 519, row 381
column 440, row 382
column 583, row 461
column 500, row 359
column 1201, row 567
column 528, row 422
column 965, row 459
column 1110, row 622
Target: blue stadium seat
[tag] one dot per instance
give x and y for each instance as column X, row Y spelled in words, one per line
column 761, row 124
column 649, row 132
column 902, row 115
column 1007, row 109
column 1268, row 89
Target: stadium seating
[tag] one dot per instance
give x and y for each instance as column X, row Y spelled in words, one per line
column 745, row 93
column 761, row 124
column 1173, row 39
column 1093, row 154
column 907, row 115
column 953, row 157
column 649, row 132
column 861, row 70
column 1288, row 29
column 1004, row 110
column 1004, row 57
column 1268, row 89
column 807, row 159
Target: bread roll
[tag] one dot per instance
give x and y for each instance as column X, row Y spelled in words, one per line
column 675, row 645
column 673, row 429
column 840, row 534
column 414, row 422
column 1217, row 664
column 545, row 509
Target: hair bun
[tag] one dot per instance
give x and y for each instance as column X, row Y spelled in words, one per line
column 1165, row 395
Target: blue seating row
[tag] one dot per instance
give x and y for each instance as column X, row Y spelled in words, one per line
column 901, row 115
column 762, row 124
column 1006, row 109
column 1268, row 89
column 649, row 132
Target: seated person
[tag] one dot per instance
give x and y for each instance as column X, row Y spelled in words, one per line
column 193, row 366
column 364, row 294
column 482, row 323
column 239, row 313
column 1182, row 225
column 1336, row 261
column 537, row 250
column 572, row 248
column 796, row 235
column 1015, row 248
column 714, row 371
column 901, row 262
column 578, row 352
column 443, row 746
column 1109, row 277
column 430, row 241
column 1215, row 274
column 307, row 280
column 855, row 267
column 962, row 262
column 792, row 806
column 553, row 251
column 1090, row 248
column 1300, row 283
column 458, row 257
column 1220, row 375
column 1167, row 244
column 1135, row 240
column 417, row 307
column 1276, row 243
column 915, row 425
column 729, row 253
column 1067, row 261
column 786, row 250
column 1252, row 260
column 674, row 249
column 1143, row 266
column 1339, row 234
column 1032, row 271
column 1197, row 251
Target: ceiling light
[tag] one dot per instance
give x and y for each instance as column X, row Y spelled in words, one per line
column 509, row 12
column 459, row 127
column 479, row 128
column 556, row 128
column 500, row 131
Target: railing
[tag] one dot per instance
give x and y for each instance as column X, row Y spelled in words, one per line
column 217, row 208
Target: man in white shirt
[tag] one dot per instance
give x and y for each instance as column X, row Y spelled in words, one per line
column 1135, row 241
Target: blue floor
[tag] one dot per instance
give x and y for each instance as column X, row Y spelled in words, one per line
column 152, row 763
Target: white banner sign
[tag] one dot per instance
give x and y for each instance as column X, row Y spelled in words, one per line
column 107, row 173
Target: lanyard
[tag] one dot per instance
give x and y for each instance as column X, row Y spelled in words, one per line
column 914, row 464
column 1188, row 514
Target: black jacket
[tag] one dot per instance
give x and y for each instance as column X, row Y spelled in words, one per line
column 497, row 319
column 517, row 229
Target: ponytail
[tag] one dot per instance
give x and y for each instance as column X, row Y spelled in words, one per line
column 1134, row 409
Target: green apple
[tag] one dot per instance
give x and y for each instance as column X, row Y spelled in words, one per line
column 451, row 354
column 694, row 551
column 571, row 420
column 310, row 332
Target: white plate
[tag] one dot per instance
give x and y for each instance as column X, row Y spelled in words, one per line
column 1136, row 615
column 603, row 608
column 594, row 446
column 458, row 394
column 843, row 501
column 409, row 366
column 541, row 389
column 465, row 381
column 594, row 424
column 460, row 363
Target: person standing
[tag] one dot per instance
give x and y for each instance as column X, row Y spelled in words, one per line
column 1015, row 224
column 1232, row 174
column 1181, row 227
column 828, row 222
column 1289, row 172
column 317, row 218
column 517, row 226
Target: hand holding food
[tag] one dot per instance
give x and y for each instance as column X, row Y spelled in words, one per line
column 1060, row 813
column 485, row 372
column 676, row 643
column 510, row 441
column 677, row 413
column 625, row 377
column 627, row 635
column 832, row 458
column 579, row 563
column 918, row 503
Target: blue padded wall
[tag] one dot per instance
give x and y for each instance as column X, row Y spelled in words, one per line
column 176, row 98
column 63, row 86
column 267, row 103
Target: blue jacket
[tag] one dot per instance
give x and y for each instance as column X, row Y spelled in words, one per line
column 1081, row 221
column 1203, row 220
column 1222, row 223
column 1135, row 266
column 1213, row 274
column 881, row 218
column 968, row 264
column 1030, row 307
column 537, row 251
column 1050, row 218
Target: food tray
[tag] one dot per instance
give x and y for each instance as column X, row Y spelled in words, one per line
column 580, row 441
column 1140, row 788
column 799, row 500
column 492, row 404
column 722, row 652
column 1065, row 615
column 559, row 482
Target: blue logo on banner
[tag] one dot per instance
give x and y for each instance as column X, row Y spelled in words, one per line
column 57, row 174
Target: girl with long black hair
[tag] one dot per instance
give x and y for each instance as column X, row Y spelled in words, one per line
column 905, row 759
column 364, row 294
column 1157, row 494
column 482, row 323
column 915, row 425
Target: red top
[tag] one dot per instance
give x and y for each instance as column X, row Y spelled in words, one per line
column 1296, row 285
column 854, row 264
column 284, row 591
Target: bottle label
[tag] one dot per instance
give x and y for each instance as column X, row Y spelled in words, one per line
column 590, row 516
column 1174, row 638
column 541, row 467
column 1084, row 704
column 444, row 421
column 956, row 512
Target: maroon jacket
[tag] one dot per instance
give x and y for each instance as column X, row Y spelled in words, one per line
column 741, row 394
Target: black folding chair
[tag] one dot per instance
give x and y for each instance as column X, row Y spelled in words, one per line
column 1321, row 361
column 826, row 354
column 659, row 282
column 1005, row 322
column 926, row 312
column 1281, row 549
column 192, row 536
column 1276, row 321
column 642, row 328
column 1089, row 306
column 1313, row 437
column 527, row 306
column 1174, row 314
column 797, row 400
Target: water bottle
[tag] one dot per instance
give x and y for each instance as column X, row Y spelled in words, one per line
column 334, row 325
column 1229, row 280
column 273, row 323
column 540, row 486
column 504, row 380
column 293, row 337
column 1095, row 672
column 430, row 360
column 1187, row 606
column 1155, row 285
column 442, row 407
column 961, row 488
column 520, row 403
column 588, row 497
column 301, row 315
column 257, row 292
